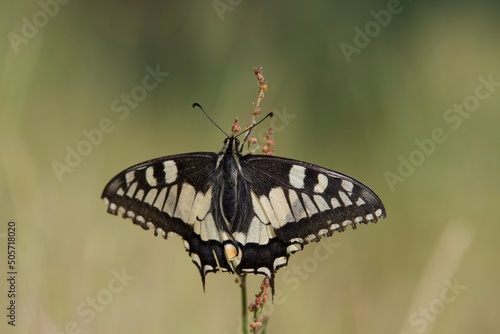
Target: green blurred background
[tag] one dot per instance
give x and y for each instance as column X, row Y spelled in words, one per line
column 359, row 114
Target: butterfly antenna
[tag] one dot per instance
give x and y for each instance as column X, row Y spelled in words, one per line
column 211, row 120
column 250, row 130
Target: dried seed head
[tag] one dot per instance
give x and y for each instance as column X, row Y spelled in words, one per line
column 235, row 127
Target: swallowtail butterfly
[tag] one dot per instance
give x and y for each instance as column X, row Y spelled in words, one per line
column 240, row 213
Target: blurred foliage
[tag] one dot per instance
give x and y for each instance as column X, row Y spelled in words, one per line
column 357, row 118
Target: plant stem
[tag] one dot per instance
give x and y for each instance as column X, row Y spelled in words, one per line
column 244, row 316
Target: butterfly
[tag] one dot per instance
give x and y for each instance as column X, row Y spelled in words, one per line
column 240, row 213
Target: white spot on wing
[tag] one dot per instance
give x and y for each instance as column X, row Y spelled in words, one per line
column 296, row 176
column 240, row 237
column 378, row 212
column 269, row 230
column 171, row 200
column 298, row 210
column 209, row 230
column 160, row 199
column 196, row 259
column 224, row 236
column 322, row 183
column 205, row 204
column 197, row 227
column 369, row 216
column 140, row 194
column 299, row 240
column 346, row 222
column 334, row 226
column 360, row 202
column 129, row 177
column 321, row 203
column 335, row 203
column 323, row 232
column 253, row 233
column 279, row 262
column 208, row 268
column 347, row 185
column 185, row 202
column 293, row 248
column 120, row 192
column 131, row 190
column 257, row 208
column 310, row 207
column 265, row 271
column 161, row 232
column 280, row 206
column 268, row 209
column 150, row 176
column 170, row 169
column 345, row 198
column 310, row 237
column 195, row 208
column 150, row 197
column 264, row 233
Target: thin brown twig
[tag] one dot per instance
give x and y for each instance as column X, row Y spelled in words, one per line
column 256, row 112
column 259, row 323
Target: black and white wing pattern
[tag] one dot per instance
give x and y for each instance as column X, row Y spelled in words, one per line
column 240, row 214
